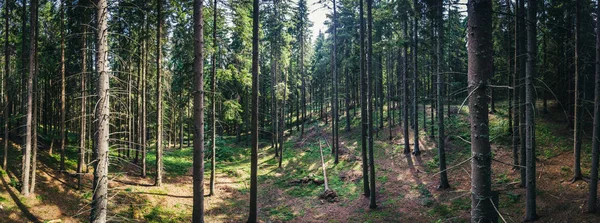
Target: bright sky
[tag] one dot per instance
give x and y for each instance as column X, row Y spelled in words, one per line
column 318, row 15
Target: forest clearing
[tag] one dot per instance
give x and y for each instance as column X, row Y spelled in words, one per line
column 299, row 111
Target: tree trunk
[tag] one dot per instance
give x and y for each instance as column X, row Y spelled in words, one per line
column 405, row 92
column 415, row 101
column 5, row 83
column 530, row 207
column 335, row 122
column 198, row 163
column 213, row 118
column 522, row 50
column 363, row 104
column 252, row 218
column 30, row 97
column 578, row 100
column 144, row 96
column 100, row 185
column 592, row 197
column 82, row 142
column 440, row 99
column 63, row 84
column 373, row 196
column 480, row 67
column 159, row 106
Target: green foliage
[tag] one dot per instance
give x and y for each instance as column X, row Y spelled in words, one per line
column 160, row 214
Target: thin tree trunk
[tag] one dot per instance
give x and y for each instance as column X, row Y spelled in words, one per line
column 363, row 104
column 335, row 122
column 373, row 196
column 415, row 112
column 100, row 185
column 82, row 142
column 63, row 84
column 593, row 192
column 440, row 99
column 159, row 106
column 405, row 91
column 198, row 163
column 5, row 83
column 213, row 118
column 522, row 50
column 578, row 100
column 480, row 67
column 144, row 96
column 252, row 218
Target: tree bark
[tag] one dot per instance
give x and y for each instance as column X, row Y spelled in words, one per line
column 364, row 104
column 159, row 106
column 82, row 136
column 198, row 162
column 213, row 118
column 440, row 98
column 252, row 218
column 5, row 83
column 415, row 111
column 480, row 67
column 578, row 100
column 30, row 97
column 100, row 185
column 530, row 207
column 373, row 196
column 63, row 84
column 593, row 192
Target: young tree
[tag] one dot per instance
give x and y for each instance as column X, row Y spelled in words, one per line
column 198, row 165
column 252, row 217
column 480, row 67
column 530, row 207
column 101, row 135
column 82, row 134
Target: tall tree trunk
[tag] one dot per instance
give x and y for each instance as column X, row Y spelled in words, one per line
column 593, row 193
column 29, row 115
column 252, row 218
column 159, row 106
column 82, row 136
column 480, row 67
column 335, row 122
column 578, row 99
column 101, row 135
column 373, row 196
column 213, row 118
column 364, row 103
column 5, row 83
column 34, row 125
column 63, row 84
column 530, row 207
column 440, row 98
column 522, row 50
column 198, row 165
column 405, row 92
column 415, row 111
column 144, row 96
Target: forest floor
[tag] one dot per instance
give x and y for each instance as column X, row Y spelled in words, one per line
column 406, row 185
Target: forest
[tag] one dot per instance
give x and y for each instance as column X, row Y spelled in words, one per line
column 299, row 110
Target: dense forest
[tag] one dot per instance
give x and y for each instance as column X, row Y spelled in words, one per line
column 245, row 110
